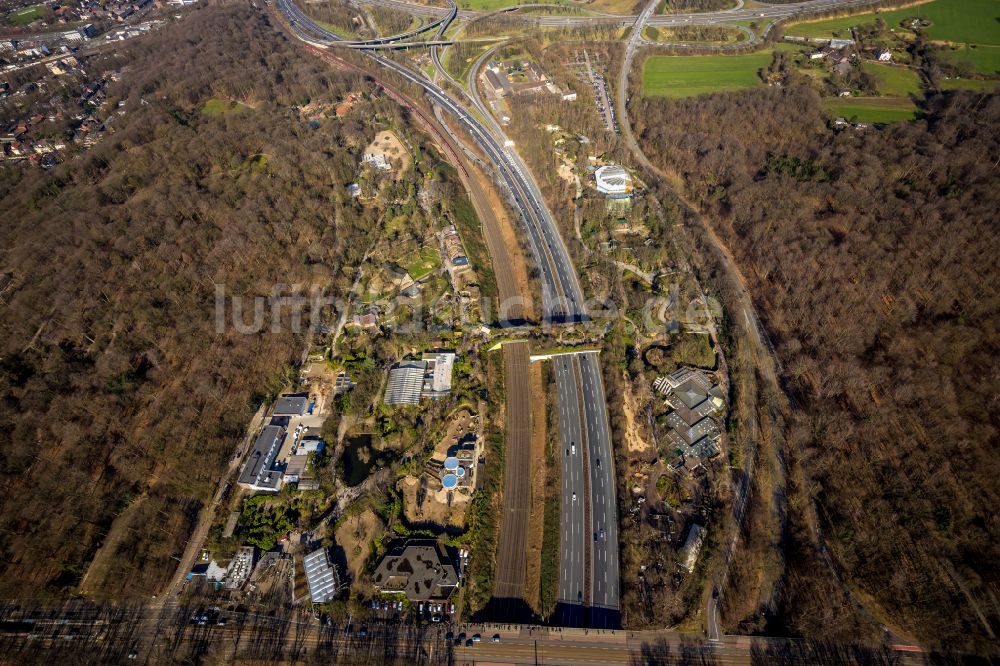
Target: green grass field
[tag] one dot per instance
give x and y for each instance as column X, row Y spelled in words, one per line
column 25, row 16
column 686, row 76
column 894, row 80
column 980, row 58
column 871, row 109
column 981, row 85
column 219, row 107
column 963, row 21
column 421, row 263
column 337, row 30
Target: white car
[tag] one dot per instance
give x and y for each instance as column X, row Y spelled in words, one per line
column 574, row 497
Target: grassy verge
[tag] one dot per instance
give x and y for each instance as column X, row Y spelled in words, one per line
column 550, row 542
column 695, row 34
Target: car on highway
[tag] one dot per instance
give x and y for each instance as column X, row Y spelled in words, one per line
column 496, row 638
column 574, row 497
column 469, row 643
column 476, row 638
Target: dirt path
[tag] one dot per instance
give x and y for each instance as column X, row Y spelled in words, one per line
column 635, row 443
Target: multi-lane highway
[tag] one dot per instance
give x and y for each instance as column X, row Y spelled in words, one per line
column 763, row 11
column 572, row 524
column 589, row 577
column 604, row 575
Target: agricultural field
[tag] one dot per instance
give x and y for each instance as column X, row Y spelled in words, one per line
column 871, row 109
column 686, row 76
column 894, row 80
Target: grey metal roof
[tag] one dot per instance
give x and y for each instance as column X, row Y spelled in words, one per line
column 320, row 576
column 290, row 405
column 257, row 472
column 406, row 383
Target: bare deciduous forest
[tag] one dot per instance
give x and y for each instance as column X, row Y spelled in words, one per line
column 872, row 256
column 122, row 403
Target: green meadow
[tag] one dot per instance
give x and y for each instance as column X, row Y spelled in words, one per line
column 686, row 76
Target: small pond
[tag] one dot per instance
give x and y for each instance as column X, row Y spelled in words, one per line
column 360, row 458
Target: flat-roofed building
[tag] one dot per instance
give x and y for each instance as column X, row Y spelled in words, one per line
column 438, row 374
column 290, row 405
column 240, row 568
column 296, row 468
column 320, row 576
column 259, row 472
column 421, row 570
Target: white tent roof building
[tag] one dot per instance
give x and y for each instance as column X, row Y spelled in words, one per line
column 613, row 179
